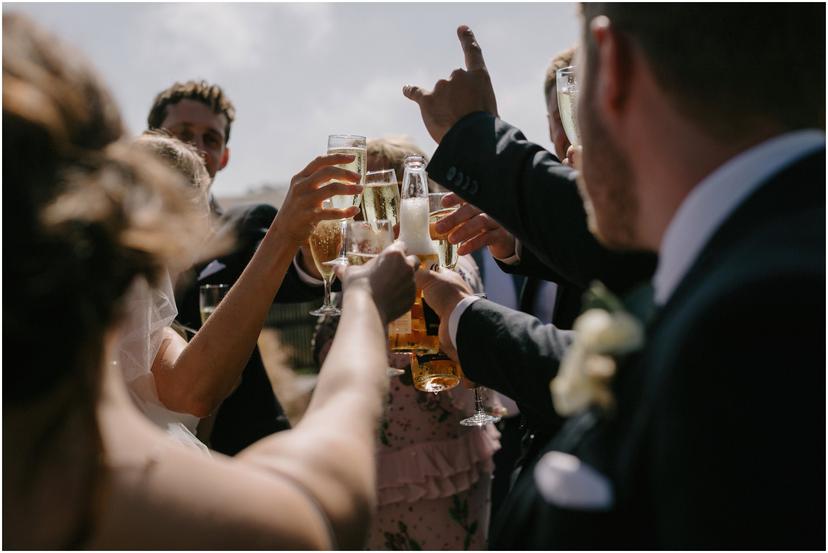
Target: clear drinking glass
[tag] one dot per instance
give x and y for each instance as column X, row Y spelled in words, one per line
column 480, row 416
column 381, row 197
column 209, row 296
column 354, row 145
column 567, row 88
column 364, row 241
column 325, row 244
column 446, row 251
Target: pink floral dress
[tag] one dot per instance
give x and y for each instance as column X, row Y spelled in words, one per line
column 434, row 475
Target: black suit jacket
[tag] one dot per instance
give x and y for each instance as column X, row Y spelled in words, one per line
column 523, row 187
column 718, row 439
column 252, row 411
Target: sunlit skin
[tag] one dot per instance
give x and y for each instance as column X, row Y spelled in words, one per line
column 194, row 122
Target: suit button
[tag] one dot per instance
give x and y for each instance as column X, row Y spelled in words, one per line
column 458, row 180
column 451, row 172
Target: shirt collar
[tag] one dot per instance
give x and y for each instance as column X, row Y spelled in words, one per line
column 710, row 203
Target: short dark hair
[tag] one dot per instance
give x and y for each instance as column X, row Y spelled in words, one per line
column 559, row 61
column 208, row 94
column 718, row 61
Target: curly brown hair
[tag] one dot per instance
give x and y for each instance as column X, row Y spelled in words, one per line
column 208, row 94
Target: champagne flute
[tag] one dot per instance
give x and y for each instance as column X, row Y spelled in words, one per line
column 325, row 243
column 567, row 89
column 353, row 145
column 209, row 296
column 446, row 251
column 381, row 197
column 480, row 416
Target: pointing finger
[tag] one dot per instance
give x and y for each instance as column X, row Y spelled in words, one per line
column 471, row 49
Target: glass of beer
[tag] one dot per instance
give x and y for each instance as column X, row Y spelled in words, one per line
column 567, row 89
column 446, row 251
column 209, row 296
column 381, row 197
column 325, row 244
column 434, row 372
column 353, row 145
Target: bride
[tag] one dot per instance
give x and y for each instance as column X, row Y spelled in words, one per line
column 81, row 466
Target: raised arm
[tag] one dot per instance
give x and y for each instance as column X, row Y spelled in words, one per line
column 194, row 378
column 331, row 451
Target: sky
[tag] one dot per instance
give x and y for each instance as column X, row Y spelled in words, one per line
column 298, row 72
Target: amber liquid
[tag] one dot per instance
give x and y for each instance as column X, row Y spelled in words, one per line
column 435, row 373
column 414, row 337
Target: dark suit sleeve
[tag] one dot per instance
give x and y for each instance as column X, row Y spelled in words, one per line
column 490, row 164
column 513, row 353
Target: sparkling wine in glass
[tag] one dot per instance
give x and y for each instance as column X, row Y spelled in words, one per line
column 353, row 145
column 446, row 251
column 381, row 197
column 325, row 244
column 209, row 296
column 567, row 88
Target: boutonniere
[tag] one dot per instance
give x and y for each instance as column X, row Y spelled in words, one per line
column 604, row 332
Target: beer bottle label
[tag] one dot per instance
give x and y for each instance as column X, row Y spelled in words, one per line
column 432, row 321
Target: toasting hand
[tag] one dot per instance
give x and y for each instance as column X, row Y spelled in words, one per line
column 442, row 292
column 464, row 92
column 389, row 278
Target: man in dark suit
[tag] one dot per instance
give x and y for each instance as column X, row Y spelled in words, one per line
column 717, row 435
column 200, row 113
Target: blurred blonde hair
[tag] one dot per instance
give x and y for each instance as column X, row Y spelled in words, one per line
column 389, row 152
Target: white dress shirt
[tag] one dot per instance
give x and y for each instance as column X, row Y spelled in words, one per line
column 712, row 201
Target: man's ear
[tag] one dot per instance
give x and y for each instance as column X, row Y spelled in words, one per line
column 225, row 157
column 615, row 69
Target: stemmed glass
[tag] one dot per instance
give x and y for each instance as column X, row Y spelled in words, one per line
column 381, row 196
column 446, row 251
column 567, row 89
column 354, row 145
column 325, row 243
column 480, row 416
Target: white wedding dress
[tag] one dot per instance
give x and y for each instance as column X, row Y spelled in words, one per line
column 147, row 312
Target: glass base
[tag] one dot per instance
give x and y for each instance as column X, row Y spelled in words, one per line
column 481, row 418
column 326, row 310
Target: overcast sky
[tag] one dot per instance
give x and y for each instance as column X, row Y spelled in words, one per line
column 298, row 72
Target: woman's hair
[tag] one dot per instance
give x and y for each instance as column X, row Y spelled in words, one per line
column 183, row 158
column 84, row 216
column 389, row 152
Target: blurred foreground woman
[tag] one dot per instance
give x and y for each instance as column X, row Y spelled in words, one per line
column 82, row 467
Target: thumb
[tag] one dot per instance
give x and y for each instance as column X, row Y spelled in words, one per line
column 413, row 93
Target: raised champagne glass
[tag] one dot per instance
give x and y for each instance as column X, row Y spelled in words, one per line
column 446, row 251
column 325, row 244
column 381, row 197
column 567, row 89
column 352, row 145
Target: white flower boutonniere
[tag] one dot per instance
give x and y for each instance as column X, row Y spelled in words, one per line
column 604, row 332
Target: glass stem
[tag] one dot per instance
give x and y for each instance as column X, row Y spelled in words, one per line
column 478, row 401
column 328, row 282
